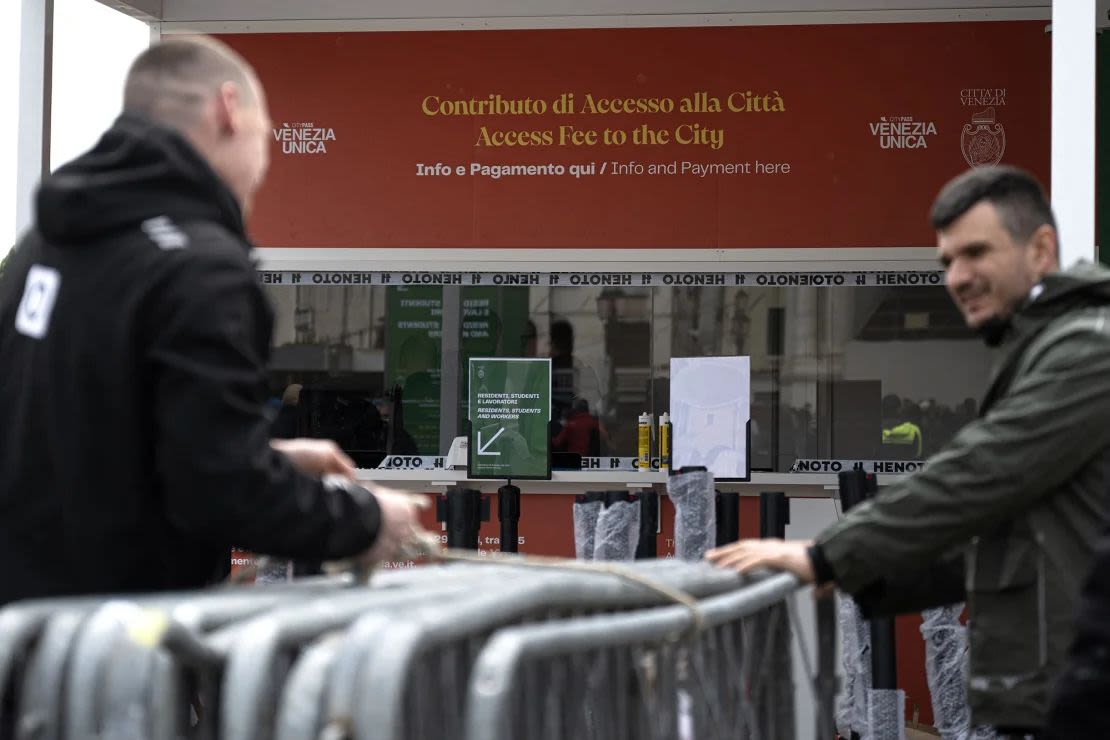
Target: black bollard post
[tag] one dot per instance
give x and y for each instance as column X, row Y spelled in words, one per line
column 854, row 488
column 728, row 517
column 646, row 547
column 464, row 510
column 857, row 486
column 827, row 683
column 616, row 497
column 508, row 512
column 774, row 514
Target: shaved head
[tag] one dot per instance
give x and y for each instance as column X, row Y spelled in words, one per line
column 171, row 81
column 202, row 89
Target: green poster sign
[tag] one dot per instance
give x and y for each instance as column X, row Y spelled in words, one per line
column 412, row 359
column 494, row 321
column 509, row 411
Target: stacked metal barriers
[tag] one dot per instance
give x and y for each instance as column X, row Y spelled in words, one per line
column 467, row 651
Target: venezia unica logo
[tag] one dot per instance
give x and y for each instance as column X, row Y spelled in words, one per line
column 903, row 132
column 304, row 138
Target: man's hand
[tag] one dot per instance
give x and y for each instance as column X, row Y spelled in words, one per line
column 748, row 555
column 318, row 457
column 399, row 524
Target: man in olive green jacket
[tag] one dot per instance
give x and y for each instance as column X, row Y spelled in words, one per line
column 1016, row 500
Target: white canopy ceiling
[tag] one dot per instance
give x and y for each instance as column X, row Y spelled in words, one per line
column 185, row 11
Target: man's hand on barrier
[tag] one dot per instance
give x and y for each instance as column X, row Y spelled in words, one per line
column 748, row 555
column 399, row 524
column 318, row 457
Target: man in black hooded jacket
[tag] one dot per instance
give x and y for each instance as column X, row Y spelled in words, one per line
column 134, row 335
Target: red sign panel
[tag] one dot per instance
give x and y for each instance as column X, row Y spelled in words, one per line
column 724, row 137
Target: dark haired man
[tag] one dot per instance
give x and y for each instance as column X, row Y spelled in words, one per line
column 1020, row 493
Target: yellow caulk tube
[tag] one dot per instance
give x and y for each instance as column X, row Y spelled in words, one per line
column 643, row 453
column 665, row 442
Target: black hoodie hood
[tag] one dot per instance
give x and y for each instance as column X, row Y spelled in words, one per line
column 138, row 170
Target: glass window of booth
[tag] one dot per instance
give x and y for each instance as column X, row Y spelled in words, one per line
column 859, row 373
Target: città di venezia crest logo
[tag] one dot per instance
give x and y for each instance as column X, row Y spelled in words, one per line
column 983, row 140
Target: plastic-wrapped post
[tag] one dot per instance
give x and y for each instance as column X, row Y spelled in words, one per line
column 946, row 671
column 695, row 522
column 884, row 663
column 886, row 714
column 857, row 486
column 855, row 651
column 945, row 657
column 856, row 634
column 587, row 507
column 273, row 570
column 885, row 702
column 618, row 527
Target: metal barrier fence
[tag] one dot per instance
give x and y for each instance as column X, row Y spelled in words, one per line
column 467, row 651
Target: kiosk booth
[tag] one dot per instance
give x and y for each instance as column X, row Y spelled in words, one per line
column 611, row 185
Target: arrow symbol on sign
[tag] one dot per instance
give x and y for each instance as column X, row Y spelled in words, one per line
column 482, row 448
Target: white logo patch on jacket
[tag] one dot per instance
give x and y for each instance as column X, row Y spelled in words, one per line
column 164, row 232
column 39, row 295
